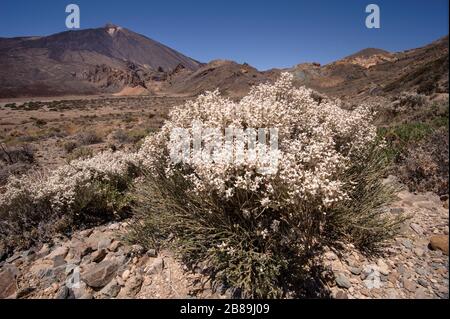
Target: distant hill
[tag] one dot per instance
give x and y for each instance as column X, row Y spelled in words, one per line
column 367, row 53
column 229, row 77
column 378, row 72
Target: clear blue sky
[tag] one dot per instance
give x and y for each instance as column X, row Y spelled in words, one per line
column 262, row 33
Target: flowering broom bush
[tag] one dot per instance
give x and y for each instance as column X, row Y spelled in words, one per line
column 250, row 228
column 256, row 231
column 85, row 191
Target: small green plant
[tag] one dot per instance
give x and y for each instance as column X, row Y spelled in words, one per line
column 70, row 146
column 130, row 136
column 80, row 153
column 401, row 136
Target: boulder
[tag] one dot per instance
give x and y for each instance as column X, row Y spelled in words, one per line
column 111, row 290
column 99, row 275
column 58, row 254
column 99, row 255
column 8, row 285
column 439, row 242
column 154, row 266
column 115, row 245
column 132, row 287
column 342, row 281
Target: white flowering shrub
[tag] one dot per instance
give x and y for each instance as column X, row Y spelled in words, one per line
column 254, row 231
column 316, row 144
column 73, row 194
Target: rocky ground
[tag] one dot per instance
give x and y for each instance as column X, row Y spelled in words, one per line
column 98, row 263
column 414, row 266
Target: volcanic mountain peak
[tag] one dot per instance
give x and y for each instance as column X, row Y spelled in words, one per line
column 112, row 28
column 84, row 62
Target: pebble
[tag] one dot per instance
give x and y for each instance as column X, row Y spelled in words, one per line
column 85, row 233
column 409, row 285
column 125, row 275
column 155, row 266
column 24, row 292
column 382, row 267
column 406, row 269
column 104, row 243
column 111, row 290
column 62, row 293
column 58, row 253
column 422, row 282
column 439, row 242
column 419, row 252
column 397, row 210
column 115, row 226
column 115, row 246
column 355, row 270
column 99, row 255
column 132, row 287
column 99, row 275
column 341, row 295
column 138, row 249
column 329, row 255
column 407, row 243
column 342, row 281
column 417, row 229
column 421, row 271
column 151, row 253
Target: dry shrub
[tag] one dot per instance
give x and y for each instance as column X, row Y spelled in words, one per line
column 24, row 153
column 70, row 146
column 15, row 161
column 424, row 167
column 80, row 153
column 129, row 136
column 89, row 138
column 407, row 101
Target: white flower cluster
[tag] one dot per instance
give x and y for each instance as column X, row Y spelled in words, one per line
column 316, row 142
column 60, row 187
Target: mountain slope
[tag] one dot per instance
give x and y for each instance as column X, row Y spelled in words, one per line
column 68, row 62
column 368, row 72
column 231, row 78
column 375, row 71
